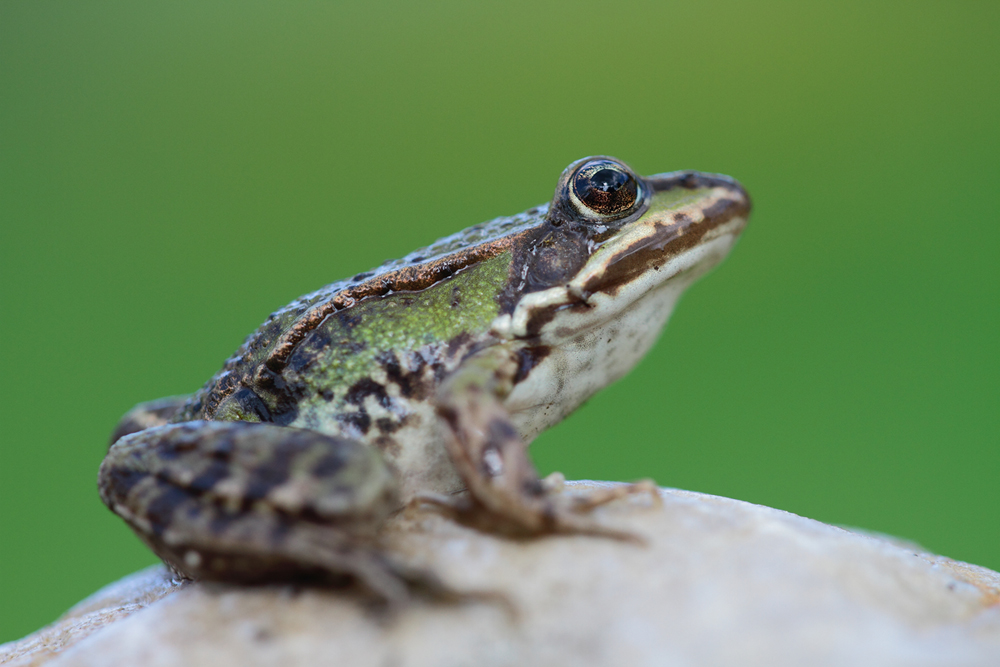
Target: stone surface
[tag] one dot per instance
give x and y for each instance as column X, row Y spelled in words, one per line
column 721, row 582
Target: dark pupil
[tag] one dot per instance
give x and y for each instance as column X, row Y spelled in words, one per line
column 604, row 189
column 608, row 180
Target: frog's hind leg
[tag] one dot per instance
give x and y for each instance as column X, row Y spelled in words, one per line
column 256, row 502
column 505, row 492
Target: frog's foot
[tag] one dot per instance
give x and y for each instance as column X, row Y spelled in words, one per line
column 463, row 508
column 554, row 518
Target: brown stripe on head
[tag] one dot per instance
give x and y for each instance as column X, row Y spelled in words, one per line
column 674, row 232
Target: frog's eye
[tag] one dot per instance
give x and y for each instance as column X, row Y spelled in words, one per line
column 603, row 188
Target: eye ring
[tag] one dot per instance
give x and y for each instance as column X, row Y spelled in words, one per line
column 603, row 188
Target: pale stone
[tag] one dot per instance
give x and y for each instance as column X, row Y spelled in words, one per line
column 720, row 582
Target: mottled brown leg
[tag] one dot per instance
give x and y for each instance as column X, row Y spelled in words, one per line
column 257, row 502
column 505, row 492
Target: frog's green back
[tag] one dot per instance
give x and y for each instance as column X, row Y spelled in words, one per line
column 354, row 344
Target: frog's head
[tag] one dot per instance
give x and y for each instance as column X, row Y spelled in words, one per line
column 615, row 243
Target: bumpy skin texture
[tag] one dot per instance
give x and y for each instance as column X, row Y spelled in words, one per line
column 426, row 375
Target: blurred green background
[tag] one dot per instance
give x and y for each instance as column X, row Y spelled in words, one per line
column 172, row 172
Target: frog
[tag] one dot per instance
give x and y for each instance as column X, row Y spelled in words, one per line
column 423, row 380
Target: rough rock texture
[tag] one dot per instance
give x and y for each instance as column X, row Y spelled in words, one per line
column 721, row 582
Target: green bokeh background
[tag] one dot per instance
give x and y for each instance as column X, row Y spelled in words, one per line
column 171, row 172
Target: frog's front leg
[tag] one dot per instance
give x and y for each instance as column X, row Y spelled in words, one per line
column 505, row 491
column 256, row 502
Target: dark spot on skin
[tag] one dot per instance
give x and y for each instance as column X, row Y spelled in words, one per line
column 439, row 373
column 410, row 385
column 359, row 420
column 168, row 451
column 160, row 511
column 217, row 470
column 533, row 487
column 387, row 425
column 276, row 469
column 393, row 371
column 528, row 358
column 499, row 432
column 220, row 447
column 456, row 297
column 689, row 181
column 539, row 319
column 417, row 259
column 264, row 377
column 328, row 465
column 121, row 480
column 361, row 276
column 364, row 388
column 449, row 414
column 456, row 344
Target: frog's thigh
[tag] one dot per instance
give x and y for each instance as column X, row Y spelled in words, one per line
column 243, row 501
column 147, row 415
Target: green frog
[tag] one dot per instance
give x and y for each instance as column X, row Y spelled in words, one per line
column 417, row 380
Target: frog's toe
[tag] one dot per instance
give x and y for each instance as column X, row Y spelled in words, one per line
column 453, row 506
column 554, row 482
column 589, row 501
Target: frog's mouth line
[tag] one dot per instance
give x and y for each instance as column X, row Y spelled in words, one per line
column 668, row 237
column 643, row 259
